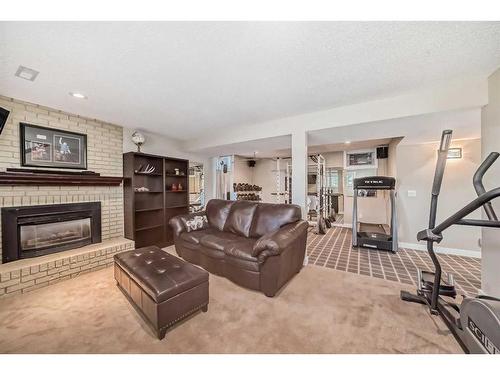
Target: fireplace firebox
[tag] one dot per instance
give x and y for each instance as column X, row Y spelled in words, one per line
column 32, row 231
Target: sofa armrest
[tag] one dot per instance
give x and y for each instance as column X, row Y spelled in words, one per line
column 178, row 223
column 276, row 242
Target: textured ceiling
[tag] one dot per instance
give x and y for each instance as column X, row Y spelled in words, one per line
column 182, row 78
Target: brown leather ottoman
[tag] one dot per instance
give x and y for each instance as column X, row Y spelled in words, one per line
column 162, row 287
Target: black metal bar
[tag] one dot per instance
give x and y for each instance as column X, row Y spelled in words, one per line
column 410, row 297
column 437, row 277
column 478, row 183
column 472, row 206
column 436, row 187
column 479, row 223
column 441, row 162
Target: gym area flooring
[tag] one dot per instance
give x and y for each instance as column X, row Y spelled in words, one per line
column 339, row 219
column 320, row 310
column 334, row 250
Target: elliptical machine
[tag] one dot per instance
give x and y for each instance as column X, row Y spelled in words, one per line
column 475, row 323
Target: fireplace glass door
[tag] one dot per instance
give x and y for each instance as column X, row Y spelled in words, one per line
column 71, row 233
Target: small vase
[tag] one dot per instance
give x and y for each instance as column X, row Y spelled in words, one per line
column 174, row 187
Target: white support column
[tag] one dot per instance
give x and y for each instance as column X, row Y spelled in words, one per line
column 490, row 133
column 210, row 180
column 299, row 170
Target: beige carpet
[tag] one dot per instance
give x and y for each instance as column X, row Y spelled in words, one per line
column 320, row 311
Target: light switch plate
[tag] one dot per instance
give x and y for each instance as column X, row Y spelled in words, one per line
column 412, row 193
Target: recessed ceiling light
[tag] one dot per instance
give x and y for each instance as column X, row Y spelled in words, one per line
column 347, row 142
column 78, row 95
column 26, row 73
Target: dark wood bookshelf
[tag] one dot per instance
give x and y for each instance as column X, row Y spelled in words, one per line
column 149, row 209
column 148, row 174
column 179, row 206
column 147, row 213
column 148, row 227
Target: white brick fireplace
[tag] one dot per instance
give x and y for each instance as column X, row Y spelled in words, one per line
column 105, row 144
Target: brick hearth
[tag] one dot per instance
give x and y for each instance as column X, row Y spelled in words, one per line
column 28, row 274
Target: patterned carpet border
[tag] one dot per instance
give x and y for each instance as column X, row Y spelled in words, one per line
column 334, row 250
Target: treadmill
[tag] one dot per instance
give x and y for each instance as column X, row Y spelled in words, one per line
column 378, row 240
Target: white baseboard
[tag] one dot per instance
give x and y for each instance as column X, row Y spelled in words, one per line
column 442, row 250
column 341, row 225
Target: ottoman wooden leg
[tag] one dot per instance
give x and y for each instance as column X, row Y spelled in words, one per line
column 161, row 333
column 204, row 308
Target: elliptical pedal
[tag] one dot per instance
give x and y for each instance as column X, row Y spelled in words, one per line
column 425, row 284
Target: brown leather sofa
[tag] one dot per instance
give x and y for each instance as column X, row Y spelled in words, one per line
column 256, row 245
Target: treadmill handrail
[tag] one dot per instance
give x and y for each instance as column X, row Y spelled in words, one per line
column 477, row 180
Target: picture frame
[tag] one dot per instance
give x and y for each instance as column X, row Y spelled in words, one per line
column 360, row 159
column 52, row 148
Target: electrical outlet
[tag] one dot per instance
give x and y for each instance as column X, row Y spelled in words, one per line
column 412, row 193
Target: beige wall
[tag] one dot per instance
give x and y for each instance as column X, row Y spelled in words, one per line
column 265, row 178
column 490, row 141
column 157, row 144
column 334, row 159
column 392, row 168
column 415, row 171
column 104, row 156
column 242, row 172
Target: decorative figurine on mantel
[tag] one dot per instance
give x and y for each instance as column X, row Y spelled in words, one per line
column 138, row 139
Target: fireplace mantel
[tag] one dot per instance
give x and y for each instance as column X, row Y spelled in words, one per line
column 45, row 178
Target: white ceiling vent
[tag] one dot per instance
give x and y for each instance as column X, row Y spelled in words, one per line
column 26, row 73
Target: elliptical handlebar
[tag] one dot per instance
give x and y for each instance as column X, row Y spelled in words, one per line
column 478, row 183
column 438, row 174
column 441, row 162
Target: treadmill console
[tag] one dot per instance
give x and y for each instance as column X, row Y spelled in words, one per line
column 375, row 183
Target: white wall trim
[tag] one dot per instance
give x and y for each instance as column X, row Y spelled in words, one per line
column 422, row 247
column 442, row 250
column 342, row 225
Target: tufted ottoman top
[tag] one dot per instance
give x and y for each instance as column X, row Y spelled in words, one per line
column 160, row 274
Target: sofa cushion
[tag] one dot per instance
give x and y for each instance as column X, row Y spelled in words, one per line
column 217, row 211
column 219, row 240
column 243, row 264
column 239, row 254
column 212, row 253
column 270, row 217
column 240, row 218
column 242, row 249
column 195, row 236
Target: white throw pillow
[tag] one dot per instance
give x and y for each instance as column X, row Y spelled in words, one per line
column 196, row 223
